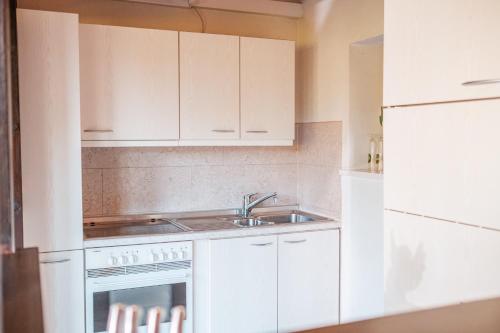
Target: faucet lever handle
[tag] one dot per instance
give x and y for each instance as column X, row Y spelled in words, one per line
column 249, row 195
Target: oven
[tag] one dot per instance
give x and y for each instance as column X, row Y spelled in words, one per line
column 144, row 275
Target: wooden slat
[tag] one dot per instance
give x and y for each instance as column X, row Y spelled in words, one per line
column 481, row 316
column 22, row 300
column 10, row 161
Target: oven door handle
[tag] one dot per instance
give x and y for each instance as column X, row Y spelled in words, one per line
column 148, row 282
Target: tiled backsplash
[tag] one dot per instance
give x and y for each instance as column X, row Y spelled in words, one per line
column 319, row 154
column 138, row 180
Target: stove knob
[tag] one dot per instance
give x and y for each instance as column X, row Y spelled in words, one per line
column 155, row 257
column 173, row 255
column 112, row 260
column 123, row 260
column 166, row 256
column 133, row 258
column 180, row 254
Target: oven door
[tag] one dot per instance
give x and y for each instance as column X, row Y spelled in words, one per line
column 143, row 290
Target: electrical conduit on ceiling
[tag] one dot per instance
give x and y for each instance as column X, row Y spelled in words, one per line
column 197, row 11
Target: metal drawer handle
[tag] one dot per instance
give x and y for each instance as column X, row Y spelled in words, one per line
column 222, row 131
column 262, row 244
column 98, row 131
column 262, row 131
column 295, row 241
column 57, row 261
column 480, row 82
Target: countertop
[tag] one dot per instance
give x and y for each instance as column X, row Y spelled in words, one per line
column 211, row 231
column 481, row 316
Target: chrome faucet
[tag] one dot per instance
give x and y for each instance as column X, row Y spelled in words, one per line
column 248, row 204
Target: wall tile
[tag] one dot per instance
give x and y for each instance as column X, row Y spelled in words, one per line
column 273, row 178
column 319, row 161
column 220, row 187
column 146, row 157
column 141, row 190
column 319, row 189
column 320, row 143
column 217, row 187
column 260, row 155
column 92, row 192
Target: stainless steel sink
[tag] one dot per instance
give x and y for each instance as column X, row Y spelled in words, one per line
column 289, row 218
column 278, row 218
column 251, row 222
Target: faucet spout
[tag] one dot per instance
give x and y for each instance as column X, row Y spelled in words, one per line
column 248, row 204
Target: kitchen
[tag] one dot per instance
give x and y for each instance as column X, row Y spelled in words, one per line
column 212, row 156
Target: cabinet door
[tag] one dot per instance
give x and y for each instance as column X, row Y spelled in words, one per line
column 430, row 263
column 49, row 100
column 482, row 272
column 61, row 276
column 209, row 83
column 481, row 159
column 423, row 262
column 425, row 160
column 431, row 48
column 243, row 285
column 399, row 160
column 308, row 280
column 129, row 83
column 267, row 89
column 441, row 161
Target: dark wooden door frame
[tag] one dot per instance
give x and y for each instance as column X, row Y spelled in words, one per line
column 10, row 133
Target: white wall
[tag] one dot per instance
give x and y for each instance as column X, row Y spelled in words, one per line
column 366, row 73
column 325, row 34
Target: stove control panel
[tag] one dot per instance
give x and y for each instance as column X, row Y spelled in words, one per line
column 117, row 256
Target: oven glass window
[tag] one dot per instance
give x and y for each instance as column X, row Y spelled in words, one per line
column 166, row 296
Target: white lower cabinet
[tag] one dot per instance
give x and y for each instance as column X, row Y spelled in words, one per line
column 423, row 262
column 243, row 284
column 430, row 263
column 61, row 275
column 308, row 280
column 267, row 283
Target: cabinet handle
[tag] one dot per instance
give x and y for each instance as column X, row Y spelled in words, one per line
column 222, row 131
column 98, row 131
column 261, row 131
column 295, row 241
column 262, row 244
column 57, row 261
column 480, row 82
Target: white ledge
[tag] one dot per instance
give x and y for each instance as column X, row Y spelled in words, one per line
column 362, row 173
column 186, row 143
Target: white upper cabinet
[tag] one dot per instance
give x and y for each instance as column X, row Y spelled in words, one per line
column 209, row 87
column 129, row 83
column 441, row 161
column 308, row 280
column 144, row 87
column 441, row 50
column 49, row 100
column 267, row 89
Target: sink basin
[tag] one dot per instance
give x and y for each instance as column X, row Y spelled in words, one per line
column 287, row 218
column 251, row 222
